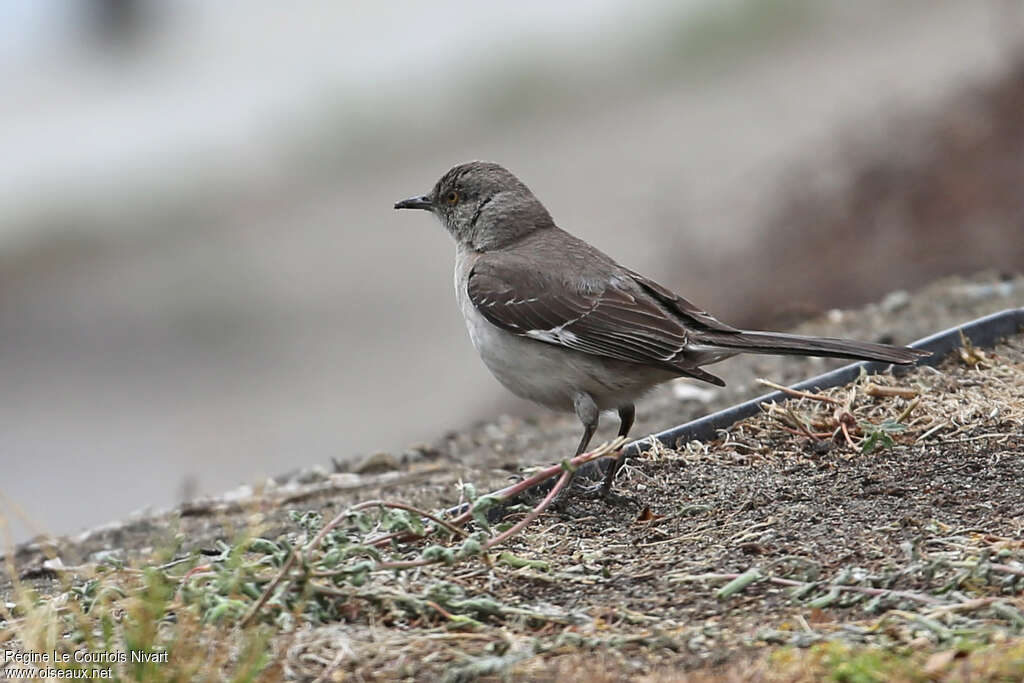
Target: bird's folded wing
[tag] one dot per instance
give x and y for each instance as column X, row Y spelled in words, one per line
column 614, row 317
column 677, row 304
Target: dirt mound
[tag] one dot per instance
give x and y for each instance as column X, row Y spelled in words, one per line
column 876, row 526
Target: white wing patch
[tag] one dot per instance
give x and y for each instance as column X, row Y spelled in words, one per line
column 556, row 335
column 675, row 354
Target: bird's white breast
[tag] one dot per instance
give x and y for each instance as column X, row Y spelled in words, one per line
column 542, row 372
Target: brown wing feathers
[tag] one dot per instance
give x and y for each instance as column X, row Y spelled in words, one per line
column 631, row 318
column 609, row 322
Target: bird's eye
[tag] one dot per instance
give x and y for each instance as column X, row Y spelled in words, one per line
column 452, row 197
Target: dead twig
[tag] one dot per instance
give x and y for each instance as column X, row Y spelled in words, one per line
column 534, row 513
column 274, row 583
column 879, row 391
column 799, row 394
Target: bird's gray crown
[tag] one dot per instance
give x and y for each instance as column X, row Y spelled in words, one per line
column 483, row 206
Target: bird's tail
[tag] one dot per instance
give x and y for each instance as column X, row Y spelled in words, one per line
column 797, row 345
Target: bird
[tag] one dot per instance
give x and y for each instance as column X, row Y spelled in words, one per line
column 560, row 323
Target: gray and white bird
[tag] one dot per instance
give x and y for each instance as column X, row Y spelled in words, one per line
column 560, row 323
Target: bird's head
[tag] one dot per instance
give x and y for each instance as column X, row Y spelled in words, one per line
column 482, row 205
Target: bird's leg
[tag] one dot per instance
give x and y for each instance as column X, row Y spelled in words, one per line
column 586, row 410
column 627, row 414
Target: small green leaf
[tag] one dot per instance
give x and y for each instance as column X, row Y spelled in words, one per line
column 361, row 521
column 471, row 547
column 438, row 553
column 517, row 562
column 879, row 436
column 739, row 583
column 480, row 508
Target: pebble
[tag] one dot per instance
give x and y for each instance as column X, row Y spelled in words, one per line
column 895, row 301
column 376, row 462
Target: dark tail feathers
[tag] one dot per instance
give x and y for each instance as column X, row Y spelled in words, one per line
column 796, row 345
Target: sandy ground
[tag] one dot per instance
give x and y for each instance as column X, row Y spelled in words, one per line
column 297, row 327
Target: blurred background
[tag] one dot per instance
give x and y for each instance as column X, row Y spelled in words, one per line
column 203, row 283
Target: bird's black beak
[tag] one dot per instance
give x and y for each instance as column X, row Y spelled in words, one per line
column 421, row 202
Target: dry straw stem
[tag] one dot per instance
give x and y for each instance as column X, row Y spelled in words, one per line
column 877, row 391
column 939, row 403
